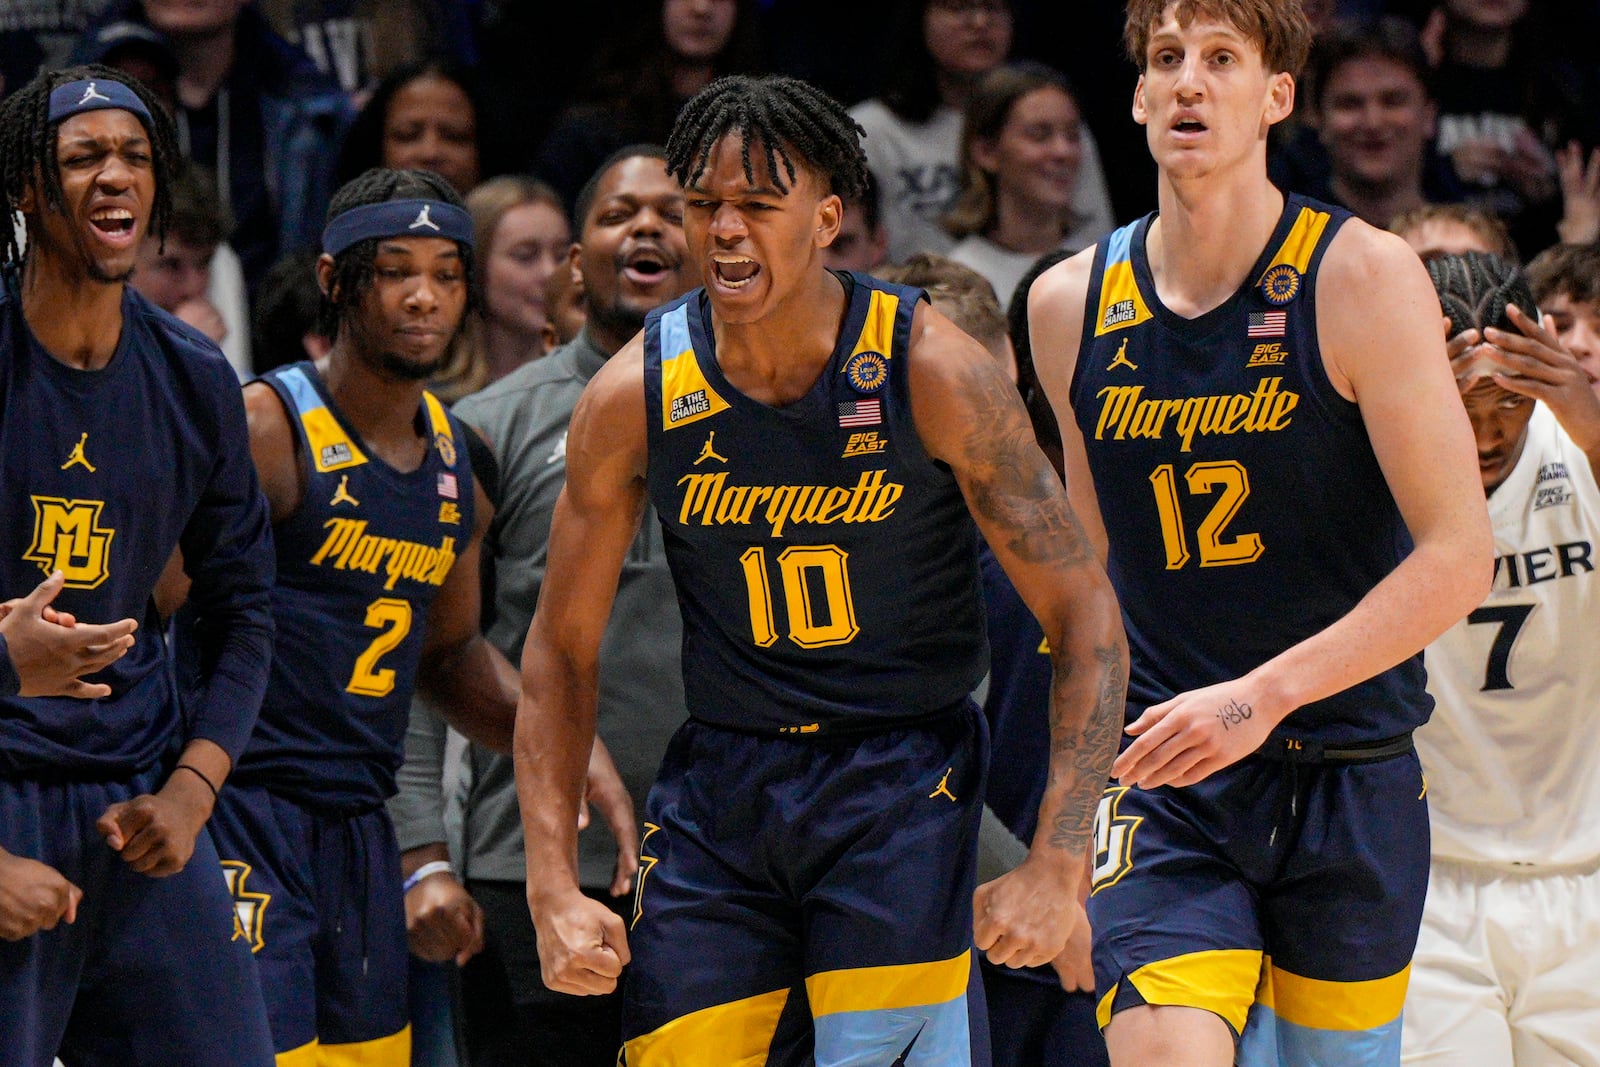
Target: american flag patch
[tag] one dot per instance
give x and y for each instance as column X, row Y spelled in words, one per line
column 1267, row 324
column 447, row 486
column 860, row 412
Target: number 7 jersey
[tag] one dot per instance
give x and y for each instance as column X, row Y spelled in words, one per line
column 359, row 563
column 1513, row 769
column 1243, row 503
column 826, row 568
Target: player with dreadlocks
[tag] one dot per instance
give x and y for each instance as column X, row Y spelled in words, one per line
column 817, row 446
column 377, row 520
column 124, row 440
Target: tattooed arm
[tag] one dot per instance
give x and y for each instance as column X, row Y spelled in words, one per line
column 970, row 417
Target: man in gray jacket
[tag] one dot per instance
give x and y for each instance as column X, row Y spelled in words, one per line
column 630, row 257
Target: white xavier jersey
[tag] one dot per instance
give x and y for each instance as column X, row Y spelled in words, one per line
column 1512, row 762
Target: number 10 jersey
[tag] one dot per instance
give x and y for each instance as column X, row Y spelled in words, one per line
column 1243, row 503
column 826, row 568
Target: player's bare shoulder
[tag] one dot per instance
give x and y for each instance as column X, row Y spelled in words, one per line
column 272, row 447
column 1056, row 310
column 1375, row 304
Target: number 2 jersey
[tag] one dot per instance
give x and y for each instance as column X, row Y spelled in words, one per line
column 359, row 563
column 1513, row 769
column 826, row 568
column 1243, row 503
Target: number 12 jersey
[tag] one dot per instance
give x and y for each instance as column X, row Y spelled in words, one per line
column 1244, row 506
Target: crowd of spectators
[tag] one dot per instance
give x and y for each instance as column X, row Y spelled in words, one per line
column 1404, row 103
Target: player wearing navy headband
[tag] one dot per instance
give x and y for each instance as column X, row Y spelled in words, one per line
column 122, row 438
column 377, row 521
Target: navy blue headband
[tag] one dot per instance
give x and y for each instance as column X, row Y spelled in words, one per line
column 397, row 218
column 74, row 98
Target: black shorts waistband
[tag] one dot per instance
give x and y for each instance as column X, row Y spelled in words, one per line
column 1306, row 750
column 858, row 727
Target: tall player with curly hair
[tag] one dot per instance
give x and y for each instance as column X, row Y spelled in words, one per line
column 817, row 446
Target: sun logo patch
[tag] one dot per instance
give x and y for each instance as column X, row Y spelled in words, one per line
column 867, row 372
column 1280, row 284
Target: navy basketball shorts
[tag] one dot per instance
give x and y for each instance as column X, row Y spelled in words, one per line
column 822, row 882
column 149, row 974
column 319, row 902
column 1033, row 1022
column 1284, row 897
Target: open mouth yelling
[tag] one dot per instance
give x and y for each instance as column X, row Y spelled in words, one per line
column 113, row 225
column 734, row 272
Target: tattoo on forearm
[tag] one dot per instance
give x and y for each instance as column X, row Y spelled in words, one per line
column 1081, row 777
column 1012, row 485
column 1233, row 713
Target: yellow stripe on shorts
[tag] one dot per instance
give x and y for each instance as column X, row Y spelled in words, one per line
column 1322, row 1005
column 391, row 1051
column 1221, row 981
column 736, row 1034
column 906, row 985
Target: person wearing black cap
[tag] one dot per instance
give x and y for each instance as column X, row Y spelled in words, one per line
column 138, row 50
column 377, row 520
column 254, row 111
column 124, row 440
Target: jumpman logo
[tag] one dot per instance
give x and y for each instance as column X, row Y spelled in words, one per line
column 1121, row 358
column 423, row 220
column 77, row 455
column 91, row 93
column 342, row 495
column 900, row 1060
column 707, row 452
column 944, row 789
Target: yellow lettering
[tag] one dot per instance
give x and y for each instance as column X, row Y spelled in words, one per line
column 1117, row 407
column 778, row 509
column 758, row 494
column 1282, row 404
column 731, row 504
column 1238, row 404
column 883, row 507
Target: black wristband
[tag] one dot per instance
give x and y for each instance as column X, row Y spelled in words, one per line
column 198, row 774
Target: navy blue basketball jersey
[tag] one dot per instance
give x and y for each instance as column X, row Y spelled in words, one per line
column 359, row 563
column 826, row 567
column 1244, row 505
column 103, row 474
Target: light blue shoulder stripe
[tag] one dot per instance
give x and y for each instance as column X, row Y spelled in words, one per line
column 305, row 395
column 675, row 332
column 1119, row 245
